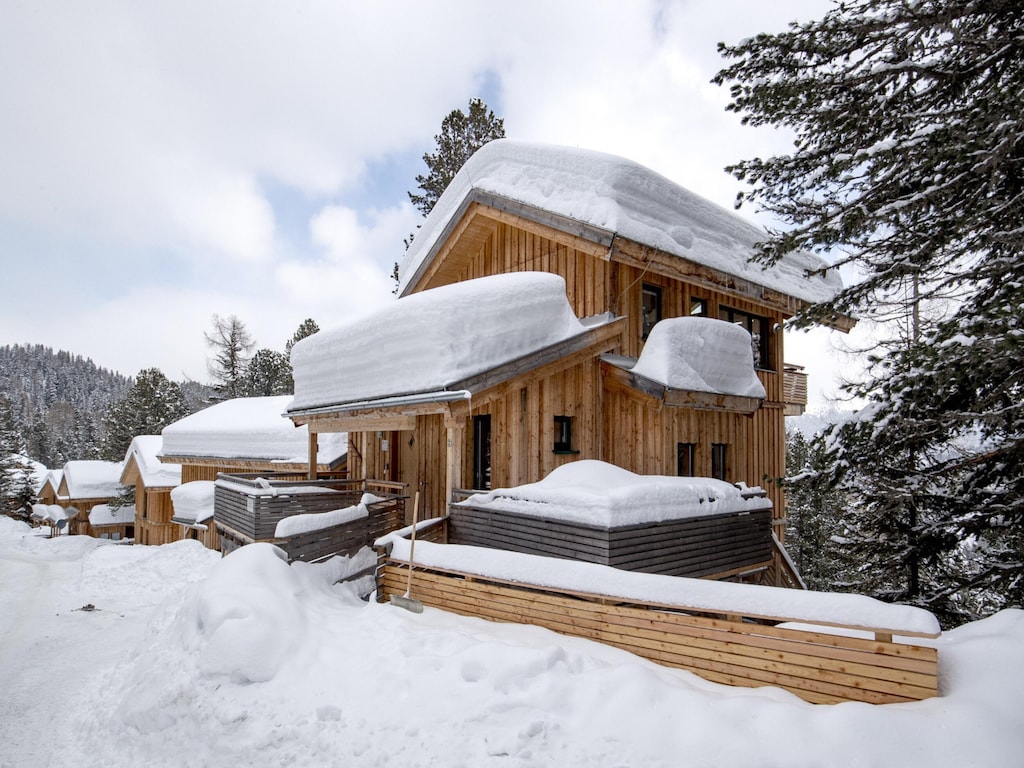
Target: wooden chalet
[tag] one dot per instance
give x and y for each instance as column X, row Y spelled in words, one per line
column 153, row 482
column 49, row 485
column 247, row 436
column 86, row 484
column 633, row 249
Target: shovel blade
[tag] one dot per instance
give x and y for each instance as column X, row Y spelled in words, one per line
column 408, row 603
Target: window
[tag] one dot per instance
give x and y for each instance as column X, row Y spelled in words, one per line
column 563, row 435
column 718, row 467
column 651, row 297
column 698, row 307
column 482, row 452
column 685, row 453
column 758, row 329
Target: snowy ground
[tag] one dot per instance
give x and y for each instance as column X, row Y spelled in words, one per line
column 190, row 660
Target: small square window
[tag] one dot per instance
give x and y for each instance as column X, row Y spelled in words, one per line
column 698, row 307
column 563, row 435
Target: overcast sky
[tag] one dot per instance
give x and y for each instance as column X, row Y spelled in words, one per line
column 165, row 161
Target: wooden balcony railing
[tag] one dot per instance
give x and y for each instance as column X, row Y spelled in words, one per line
column 794, row 389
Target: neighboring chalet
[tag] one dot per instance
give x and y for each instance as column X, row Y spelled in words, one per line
column 47, row 490
column 153, row 482
column 467, row 383
column 87, row 484
column 244, row 436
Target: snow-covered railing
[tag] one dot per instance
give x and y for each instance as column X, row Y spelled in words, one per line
column 825, row 648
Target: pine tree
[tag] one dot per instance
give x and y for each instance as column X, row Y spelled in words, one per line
column 461, row 135
column 231, row 344
column 909, row 158
column 153, row 402
column 306, row 328
column 268, row 373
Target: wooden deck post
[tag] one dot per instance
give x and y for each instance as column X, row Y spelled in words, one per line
column 456, row 429
column 313, row 443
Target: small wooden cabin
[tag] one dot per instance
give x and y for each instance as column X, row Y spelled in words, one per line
column 153, row 482
column 86, row 484
column 244, row 435
column 46, row 492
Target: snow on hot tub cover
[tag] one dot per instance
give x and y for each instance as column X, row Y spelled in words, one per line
column 597, row 493
column 426, row 341
column 698, row 353
column 623, row 198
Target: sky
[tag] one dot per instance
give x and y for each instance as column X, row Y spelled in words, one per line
column 171, row 656
column 164, row 162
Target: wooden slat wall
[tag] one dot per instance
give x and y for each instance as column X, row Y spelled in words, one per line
column 819, row 667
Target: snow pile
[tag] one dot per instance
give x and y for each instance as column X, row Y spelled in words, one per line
column 104, row 514
column 193, row 502
column 623, row 198
column 90, row 479
column 51, row 514
column 248, row 428
column 700, row 354
column 427, row 341
column 297, row 524
column 842, row 609
column 144, row 449
column 157, row 678
column 594, row 492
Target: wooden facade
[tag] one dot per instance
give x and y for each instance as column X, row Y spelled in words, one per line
column 611, row 420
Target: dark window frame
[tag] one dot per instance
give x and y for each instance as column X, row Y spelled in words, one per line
column 482, row 452
column 646, row 321
column 686, row 459
column 759, row 330
column 563, row 435
column 719, row 461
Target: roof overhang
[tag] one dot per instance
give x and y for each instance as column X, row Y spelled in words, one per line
column 399, row 411
column 616, row 376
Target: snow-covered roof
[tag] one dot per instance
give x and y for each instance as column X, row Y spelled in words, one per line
column 103, row 514
column 248, row 428
column 428, row 341
column 52, row 478
column 622, row 198
column 702, row 355
column 193, row 502
column 596, row 493
column 92, row 479
column 144, row 450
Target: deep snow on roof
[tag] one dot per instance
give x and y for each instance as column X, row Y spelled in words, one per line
column 104, row 514
column 92, row 479
column 248, row 428
column 193, row 502
column 144, row 449
column 701, row 354
column 429, row 340
column 594, row 492
column 623, row 198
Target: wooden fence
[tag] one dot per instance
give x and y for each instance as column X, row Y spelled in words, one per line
column 822, row 666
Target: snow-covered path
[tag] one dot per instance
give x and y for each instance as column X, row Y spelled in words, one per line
column 191, row 660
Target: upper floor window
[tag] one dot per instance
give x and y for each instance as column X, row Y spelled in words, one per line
column 651, row 309
column 718, row 461
column 758, row 329
column 698, row 307
column 685, row 456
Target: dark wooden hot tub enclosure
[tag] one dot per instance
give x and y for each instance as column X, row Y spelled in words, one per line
column 248, row 508
column 717, row 546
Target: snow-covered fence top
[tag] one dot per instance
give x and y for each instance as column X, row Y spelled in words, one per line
column 838, row 610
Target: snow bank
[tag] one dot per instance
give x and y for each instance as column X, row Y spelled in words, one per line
column 193, row 502
column 296, row 524
column 845, row 610
column 597, row 493
column 701, row 354
column 250, row 428
column 622, row 198
column 426, row 341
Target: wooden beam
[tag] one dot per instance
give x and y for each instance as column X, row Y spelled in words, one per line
column 654, row 391
column 312, row 455
column 455, row 428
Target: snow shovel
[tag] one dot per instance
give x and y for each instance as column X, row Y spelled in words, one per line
column 404, row 601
